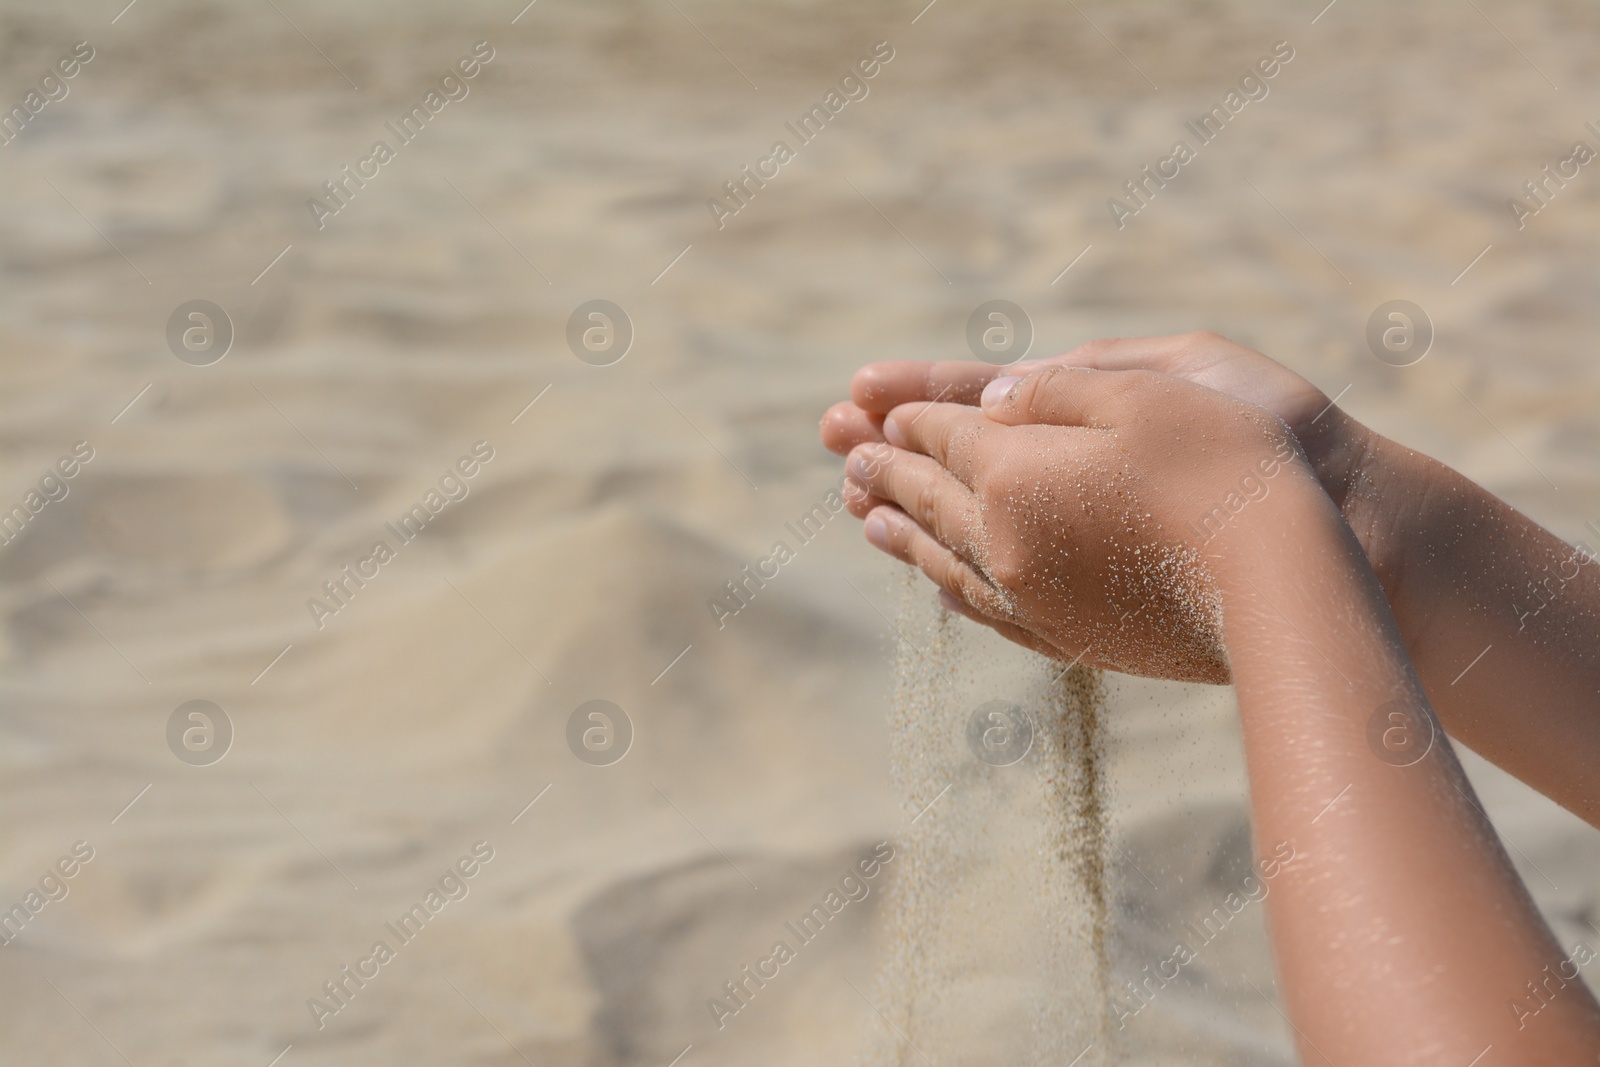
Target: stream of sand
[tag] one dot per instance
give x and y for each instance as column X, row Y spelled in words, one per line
column 997, row 932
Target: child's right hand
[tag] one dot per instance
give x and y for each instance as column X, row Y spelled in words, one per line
column 1064, row 513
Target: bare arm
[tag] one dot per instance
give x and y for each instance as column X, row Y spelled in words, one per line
column 1400, row 908
column 1469, row 576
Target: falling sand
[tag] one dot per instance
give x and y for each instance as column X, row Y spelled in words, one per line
column 997, row 929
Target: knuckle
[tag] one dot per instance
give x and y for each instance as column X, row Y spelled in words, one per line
column 951, row 572
column 1007, row 570
column 899, row 537
column 925, row 506
column 903, row 547
column 1125, row 391
column 995, row 484
column 958, row 452
column 1028, row 392
column 879, row 455
column 947, row 572
column 975, row 591
column 1203, row 344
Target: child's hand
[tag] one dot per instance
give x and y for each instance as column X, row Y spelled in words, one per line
column 1206, row 359
column 1067, row 513
column 1332, row 441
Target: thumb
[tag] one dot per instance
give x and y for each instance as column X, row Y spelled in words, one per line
column 1056, row 396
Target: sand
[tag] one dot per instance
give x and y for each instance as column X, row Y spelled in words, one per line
column 432, row 710
column 997, row 925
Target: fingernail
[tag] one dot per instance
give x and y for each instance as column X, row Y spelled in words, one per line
column 856, row 465
column 998, row 389
column 877, row 531
column 891, row 432
column 948, row 602
column 1028, row 366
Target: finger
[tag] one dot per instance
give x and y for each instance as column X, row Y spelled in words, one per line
column 1009, row 630
column 857, row 500
column 1176, row 354
column 1063, row 396
column 893, row 531
column 845, row 425
column 946, row 432
column 880, row 387
column 923, row 489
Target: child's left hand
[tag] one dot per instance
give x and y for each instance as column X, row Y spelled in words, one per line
column 1069, row 513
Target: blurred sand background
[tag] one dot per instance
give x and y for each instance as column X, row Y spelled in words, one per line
column 429, row 313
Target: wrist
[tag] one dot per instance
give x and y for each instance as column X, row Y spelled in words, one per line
column 1292, row 587
column 1296, row 515
column 1339, row 450
column 1369, row 479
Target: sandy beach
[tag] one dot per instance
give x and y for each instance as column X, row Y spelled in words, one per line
column 410, row 344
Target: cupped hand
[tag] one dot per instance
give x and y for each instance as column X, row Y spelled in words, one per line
column 1078, row 511
column 1330, row 439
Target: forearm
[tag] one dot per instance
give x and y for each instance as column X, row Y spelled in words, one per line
column 1403, row 935
column 1501, row 617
